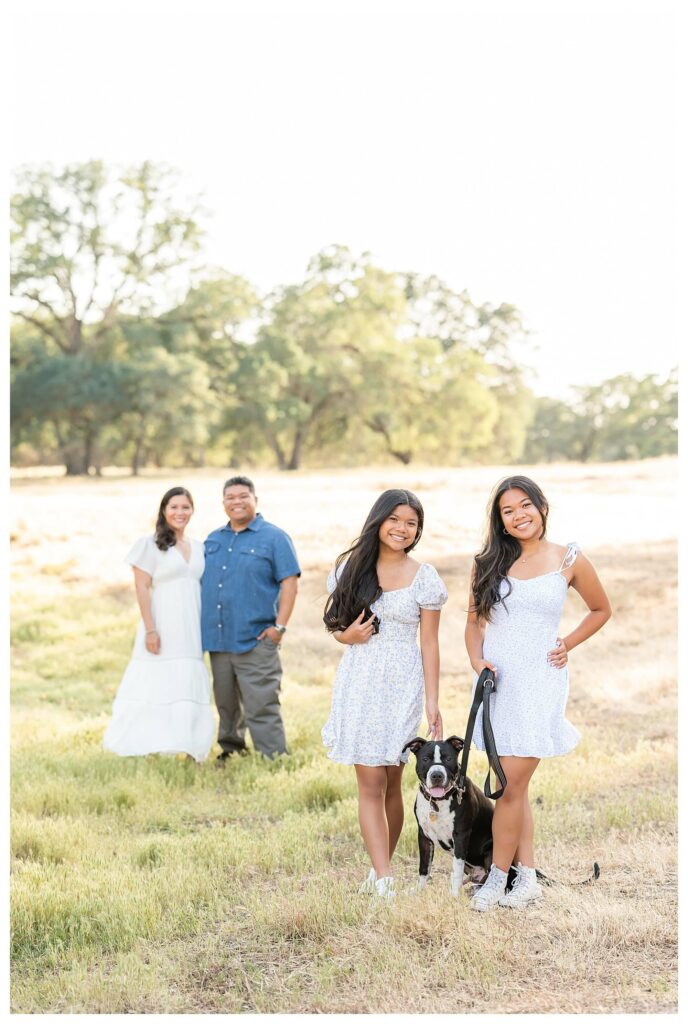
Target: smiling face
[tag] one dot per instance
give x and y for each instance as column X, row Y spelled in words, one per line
column 399, row 529
column 240, row 505
column 520, row 515
column 177, row 512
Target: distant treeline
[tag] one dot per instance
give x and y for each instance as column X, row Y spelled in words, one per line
column 353, row 364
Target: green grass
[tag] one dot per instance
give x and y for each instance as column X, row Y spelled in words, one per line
column 156, row 885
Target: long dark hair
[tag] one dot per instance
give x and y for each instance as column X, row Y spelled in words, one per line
column 357, row 584
column 500, row 550
column 164, row 534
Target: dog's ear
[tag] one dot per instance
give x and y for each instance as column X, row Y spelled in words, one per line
column 415, row 744
column 456, row 742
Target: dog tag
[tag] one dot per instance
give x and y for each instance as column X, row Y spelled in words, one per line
column 433, row 816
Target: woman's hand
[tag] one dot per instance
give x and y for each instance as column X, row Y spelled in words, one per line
column 479, row 665
column 152, row 641
column 435, row 727
column 559, row 656
column 359, row 632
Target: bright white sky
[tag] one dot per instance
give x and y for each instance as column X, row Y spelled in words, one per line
column 523, row 151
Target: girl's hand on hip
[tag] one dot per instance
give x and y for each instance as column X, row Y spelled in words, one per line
column 435, row 727
column 559, row 656
column 359, row 632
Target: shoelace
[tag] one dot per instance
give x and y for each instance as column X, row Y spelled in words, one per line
column 492, row 883
column 521, row 880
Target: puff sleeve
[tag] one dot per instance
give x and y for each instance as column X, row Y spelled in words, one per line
column 331, row 581
column 143, row 555
column 430, row 591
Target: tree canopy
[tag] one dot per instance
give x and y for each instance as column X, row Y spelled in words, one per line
column 127, row 351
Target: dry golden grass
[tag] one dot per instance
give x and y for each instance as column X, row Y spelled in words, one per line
column 151, row 885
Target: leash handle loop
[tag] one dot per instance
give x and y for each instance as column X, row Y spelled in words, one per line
column 484, row 687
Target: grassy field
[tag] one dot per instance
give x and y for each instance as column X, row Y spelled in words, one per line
column 155, row 885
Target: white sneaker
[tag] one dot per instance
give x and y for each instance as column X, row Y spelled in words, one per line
column 490, row 893
column 367, row 888
column 525, row 889
column 384, row 888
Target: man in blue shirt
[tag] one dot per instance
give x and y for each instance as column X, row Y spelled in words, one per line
column 248, row 591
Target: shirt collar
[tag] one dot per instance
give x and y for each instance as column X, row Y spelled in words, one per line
column 254, row 525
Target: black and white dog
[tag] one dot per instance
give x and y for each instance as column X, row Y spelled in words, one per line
column 463, row 826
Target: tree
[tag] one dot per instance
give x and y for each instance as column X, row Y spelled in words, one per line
column 77, row 396
column 358, row 353
column 633, row 418
column 296, row 387
column 554, row 432
column 216, row 324
column 483, row 403
column 169, row 410
column 624, row 417
column 92, row 247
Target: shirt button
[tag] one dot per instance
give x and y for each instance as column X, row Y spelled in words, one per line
column 219, row 606
column 219, row 584
column 224, row 566
column 229, row 549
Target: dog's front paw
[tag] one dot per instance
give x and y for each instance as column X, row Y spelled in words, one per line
column 422, row 882
column 457, row 875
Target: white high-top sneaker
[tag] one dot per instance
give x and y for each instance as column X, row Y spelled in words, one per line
column 367, row 888
column 384, row 888
column 525, row 889
column 490, row 893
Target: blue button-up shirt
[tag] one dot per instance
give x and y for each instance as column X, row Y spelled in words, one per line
column 241, row 583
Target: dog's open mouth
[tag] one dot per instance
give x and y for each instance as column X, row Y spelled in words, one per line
column 437, row 791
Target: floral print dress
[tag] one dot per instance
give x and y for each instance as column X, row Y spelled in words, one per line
column 378, row 694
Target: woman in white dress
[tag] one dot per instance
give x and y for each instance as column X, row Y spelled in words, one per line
column 379, row 596
column 518, row 588
column 163, row 702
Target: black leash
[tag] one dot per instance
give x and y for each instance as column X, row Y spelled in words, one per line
column 484, row 687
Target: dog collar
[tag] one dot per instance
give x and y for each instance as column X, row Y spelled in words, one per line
column 433, row 799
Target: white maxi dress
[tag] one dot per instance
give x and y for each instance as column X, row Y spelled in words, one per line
column 163, row 702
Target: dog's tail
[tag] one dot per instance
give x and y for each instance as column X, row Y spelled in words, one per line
column 586, row 881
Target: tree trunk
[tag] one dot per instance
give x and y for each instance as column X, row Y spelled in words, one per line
column 277, row 449
column 136, row 457
column 587, row 447
column 404, row 457
column 69, row 452
column 76, row 465
column 378, row 427
column 295, row 460
column 89, row 442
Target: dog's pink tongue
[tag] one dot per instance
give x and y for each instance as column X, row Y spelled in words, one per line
column 437, row 791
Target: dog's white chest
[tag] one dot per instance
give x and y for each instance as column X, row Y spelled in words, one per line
column 438, row 825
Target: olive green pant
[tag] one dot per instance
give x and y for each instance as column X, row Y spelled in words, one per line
column 246, row 688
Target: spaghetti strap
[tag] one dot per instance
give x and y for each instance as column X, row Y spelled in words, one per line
column 569, row 558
